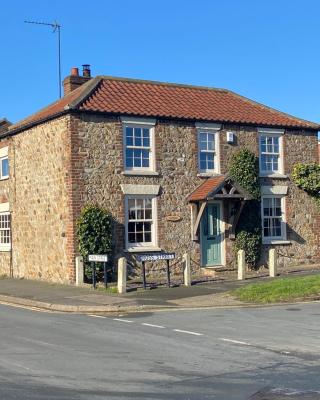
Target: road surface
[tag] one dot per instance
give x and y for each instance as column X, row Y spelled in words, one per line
column 199, row 354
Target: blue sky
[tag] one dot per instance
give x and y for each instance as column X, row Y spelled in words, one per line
column 265, row 50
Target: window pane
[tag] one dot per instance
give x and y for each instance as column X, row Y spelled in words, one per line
column 129, row 132
column 203, row 161
column 263, row 144
column 137, row 160
column 146, row 138
column 210, row 141
column 129, row 158
column 210, row 161
column 137, row 137
column 147, row 237
column 131, row 209
column 148, row 214
column 147, row 226
column 132, row 238
column 139, row 237
column 129, row 136
column 5, row 167
column 145, row 158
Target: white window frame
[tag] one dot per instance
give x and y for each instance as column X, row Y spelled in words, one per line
column 283, row 237
column 4, row 210
column 266, row 132
column 213, row 129
column 143, row 124
column 142, row 246
column 3, row 156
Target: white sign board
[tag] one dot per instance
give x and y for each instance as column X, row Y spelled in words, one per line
column 155, row 257
column 98, row 257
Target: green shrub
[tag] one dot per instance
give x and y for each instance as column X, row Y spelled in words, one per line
column 307, row 178
column 94, row 230
column 251, row 243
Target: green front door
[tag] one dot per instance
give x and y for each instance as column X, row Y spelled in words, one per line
column 211, row 238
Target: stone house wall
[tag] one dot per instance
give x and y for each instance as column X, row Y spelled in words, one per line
column 38, row 202
column 101, row 146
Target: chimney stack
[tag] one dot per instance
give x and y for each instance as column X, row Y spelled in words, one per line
column 74, row 80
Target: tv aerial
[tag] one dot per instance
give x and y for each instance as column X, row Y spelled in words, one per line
column 56, row 28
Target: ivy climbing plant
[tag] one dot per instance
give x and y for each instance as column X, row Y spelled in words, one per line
column 244, row 169
column 307, row 178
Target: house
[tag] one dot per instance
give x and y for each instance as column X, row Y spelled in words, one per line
column 156, row 155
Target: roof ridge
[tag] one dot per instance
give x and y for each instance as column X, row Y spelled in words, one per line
column 161, row 83
column 87, row 89
column 275, row 110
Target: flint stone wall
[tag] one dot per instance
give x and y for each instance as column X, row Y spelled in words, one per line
column 177, row 167
column 59, row 166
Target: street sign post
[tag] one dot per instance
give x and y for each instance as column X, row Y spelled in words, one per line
column 94, row 258
column 98, row 257
column 154, row 257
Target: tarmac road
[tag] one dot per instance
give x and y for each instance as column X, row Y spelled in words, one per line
column 199, row 354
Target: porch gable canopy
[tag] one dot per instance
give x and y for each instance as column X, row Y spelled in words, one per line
column 218, row 187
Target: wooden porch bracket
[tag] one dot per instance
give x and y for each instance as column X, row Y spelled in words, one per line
column 196, row 217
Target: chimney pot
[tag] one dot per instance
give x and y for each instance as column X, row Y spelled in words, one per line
column 86, row 70
column 74, row 80
column 74, row 71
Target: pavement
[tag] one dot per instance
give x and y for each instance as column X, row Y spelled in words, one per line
column 66, row 298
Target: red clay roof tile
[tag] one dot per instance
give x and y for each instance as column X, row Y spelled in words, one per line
column 203, row 191
column 156, row 99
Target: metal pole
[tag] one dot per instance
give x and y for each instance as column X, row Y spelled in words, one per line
column 59, row 59
column 105, row 275
column 55, row 27
column 144, row 276
column 94, row 275
column 168, row 273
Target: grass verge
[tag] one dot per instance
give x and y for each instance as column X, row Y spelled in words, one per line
column 280, row 290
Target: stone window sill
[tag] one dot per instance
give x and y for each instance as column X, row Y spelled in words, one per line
column 274, row 176
column 5, row 249
column 142, row 249
column 279, row 241
column 140, row 173
column 207, row 174
column 4, row 178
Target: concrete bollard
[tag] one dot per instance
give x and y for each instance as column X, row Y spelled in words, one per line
column 241, row 265
column 79, row 271
column 122, row 275
column 186, row 269
column 273, row 263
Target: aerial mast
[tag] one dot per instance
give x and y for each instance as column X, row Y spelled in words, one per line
column 56, row 28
